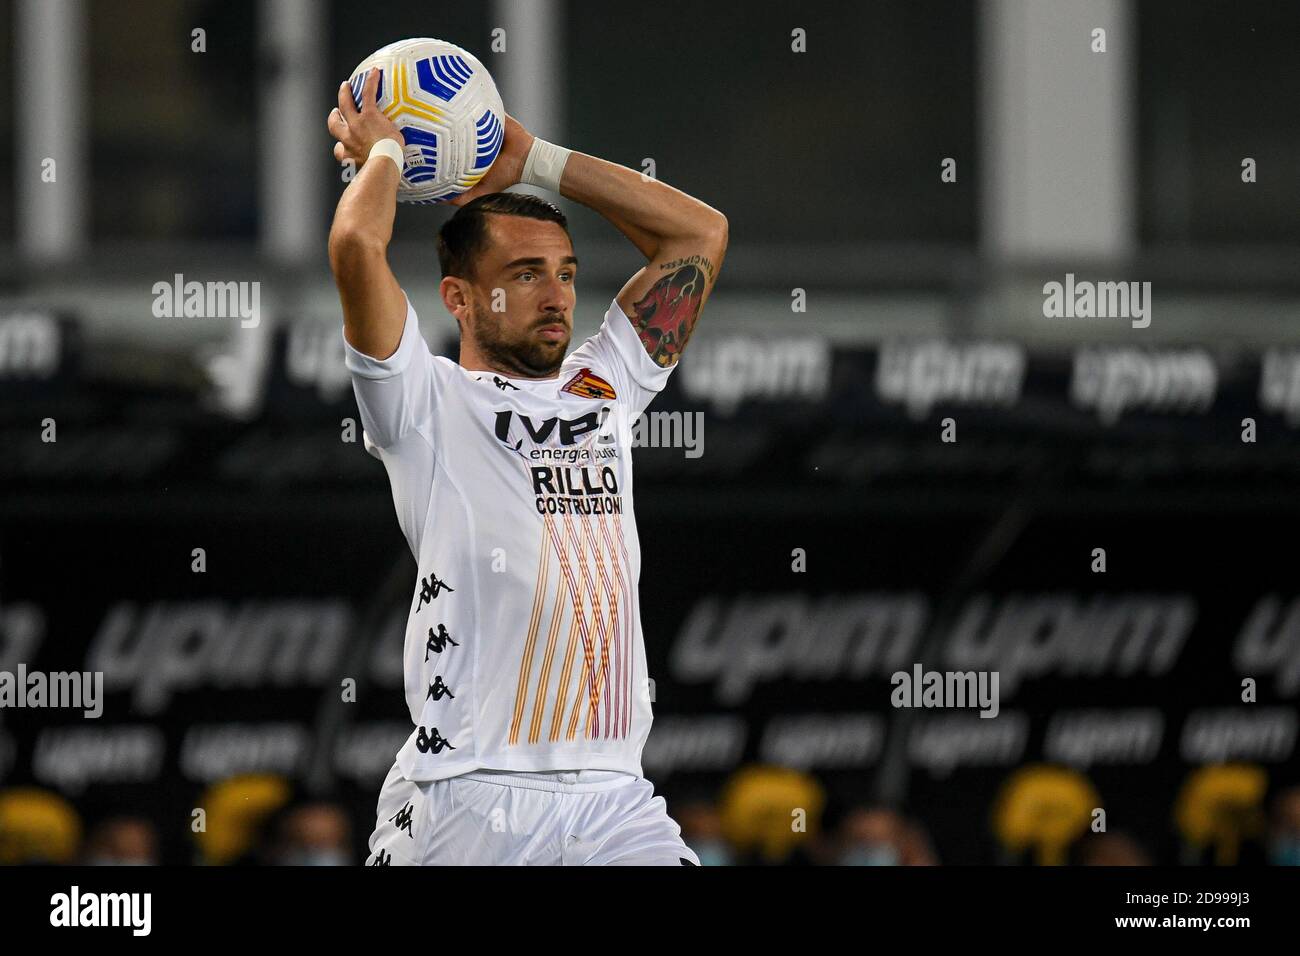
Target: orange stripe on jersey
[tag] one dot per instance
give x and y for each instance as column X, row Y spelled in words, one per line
column 544, row 678
column 589, row 651
column 577, row 625
column 587, row 683
column 610, row 600
column 526, row 659
column 632, row 611
column 566, row 671
column 577, row 703
column 577, row 600
column 623, row 671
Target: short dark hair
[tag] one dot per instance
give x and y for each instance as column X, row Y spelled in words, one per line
column 464, row 237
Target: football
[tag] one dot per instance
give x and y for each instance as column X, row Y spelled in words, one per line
column 449, row 111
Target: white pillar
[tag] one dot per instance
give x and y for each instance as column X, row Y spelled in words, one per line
column 1057, row 129
column 295, row 99
column 50, row 69
column 530, row 73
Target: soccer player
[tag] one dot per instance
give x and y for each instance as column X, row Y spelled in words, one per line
column 511, row 473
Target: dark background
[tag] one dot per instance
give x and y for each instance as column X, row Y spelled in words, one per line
column 826, row 166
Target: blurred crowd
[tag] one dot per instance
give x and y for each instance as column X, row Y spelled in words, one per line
column 762, row 816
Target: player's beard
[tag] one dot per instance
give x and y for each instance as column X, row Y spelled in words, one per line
column 525, row 354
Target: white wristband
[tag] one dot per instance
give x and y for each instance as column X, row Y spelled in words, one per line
column 391, row 149
column 545, row 165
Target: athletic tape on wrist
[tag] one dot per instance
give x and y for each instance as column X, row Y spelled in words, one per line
column 391, row 149
column 545, row 164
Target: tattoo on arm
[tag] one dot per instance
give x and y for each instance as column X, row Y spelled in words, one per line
column 665, row 316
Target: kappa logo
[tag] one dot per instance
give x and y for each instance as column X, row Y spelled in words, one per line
column 402, row 819
column 587, row 384
column 499, row 382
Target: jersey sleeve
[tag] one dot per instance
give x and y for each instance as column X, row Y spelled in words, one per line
column 617, row 351
column 397, row 398
column 395, row 395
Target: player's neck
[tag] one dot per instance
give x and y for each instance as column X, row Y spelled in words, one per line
column 473, row 361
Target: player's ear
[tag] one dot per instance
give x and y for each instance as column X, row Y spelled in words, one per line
column 454, row 295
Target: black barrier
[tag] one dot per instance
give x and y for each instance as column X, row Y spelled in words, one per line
column 1134, row 675
column 821, row 538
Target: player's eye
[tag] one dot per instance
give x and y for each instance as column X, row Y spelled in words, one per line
column 529, row 272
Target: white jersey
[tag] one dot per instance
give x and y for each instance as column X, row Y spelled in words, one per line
column 523, row 646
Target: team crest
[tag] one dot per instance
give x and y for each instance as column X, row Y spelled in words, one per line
column 587, row 384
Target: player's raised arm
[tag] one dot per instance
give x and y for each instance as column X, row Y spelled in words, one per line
column 374, row 309
column 684, row 239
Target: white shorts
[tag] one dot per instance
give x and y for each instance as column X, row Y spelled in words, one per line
column 498, row 818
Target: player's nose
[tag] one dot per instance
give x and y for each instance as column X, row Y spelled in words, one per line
column 555, row 296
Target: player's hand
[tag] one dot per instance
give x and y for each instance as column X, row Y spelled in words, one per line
column 358, row 130
column 507, row 168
